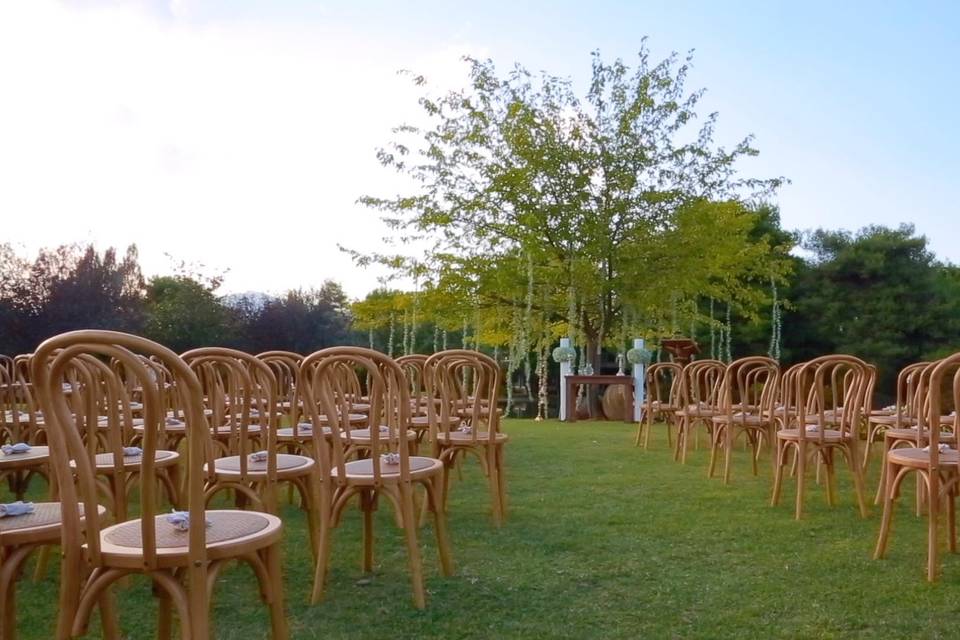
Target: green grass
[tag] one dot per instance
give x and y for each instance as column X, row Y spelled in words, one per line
column 602, row 541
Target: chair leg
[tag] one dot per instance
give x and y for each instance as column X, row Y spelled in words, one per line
column 933, row 562
column 714, row 445
column 728, row 442
column 779, row 464
column 8, row 596
column 881, row 485
column 502, row 481
column 324, row 531
column 858, row 483
column 278, row 617
column 681, row 434
column 108, row 616
column 826, row 457
column 640, row 424
column 366, row 505
column 164, row 614
column 413, row 549
column 886, row 519
column 493, row 482
column 440, row 525
column 801, row 478
column 951, row 499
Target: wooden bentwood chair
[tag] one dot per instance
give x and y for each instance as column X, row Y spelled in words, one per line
column 182, row 564
column 389, row 471
column 936, row 464
column 662, row 381
column 823, row 416
column 747, row 396
column 474, row 408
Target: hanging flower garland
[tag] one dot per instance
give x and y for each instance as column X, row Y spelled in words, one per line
column 728, row 355
column 776, row 323
column 713, row 333
column 406, row 332
column 390, row 339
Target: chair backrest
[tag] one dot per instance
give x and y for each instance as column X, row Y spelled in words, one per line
column 700, row 389
column 834, row 387
column 943, row 394
column 909, row 402
column 20, row 416
column 413, row 369
column 286, row 367
column 750, row 386
column 663, row 382
column 475, row 403
column 329, row 383
column 78, row 357
column 241, row 390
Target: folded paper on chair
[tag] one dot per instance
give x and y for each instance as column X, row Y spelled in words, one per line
column 13, row 449
column 181, row 520
column 17, row 508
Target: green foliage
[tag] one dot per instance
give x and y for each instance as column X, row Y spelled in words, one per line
column 619, row 204
column 878, row 294
column 184, row 314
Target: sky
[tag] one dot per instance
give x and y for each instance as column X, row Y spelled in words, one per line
column 238, row 134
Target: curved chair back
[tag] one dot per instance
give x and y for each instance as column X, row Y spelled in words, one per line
column 77, row 358
column 241, row 392
column 330, row 383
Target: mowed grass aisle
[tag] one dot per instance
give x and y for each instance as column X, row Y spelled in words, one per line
column 602, row 541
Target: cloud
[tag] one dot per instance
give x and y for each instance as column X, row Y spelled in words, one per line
column 238, row 145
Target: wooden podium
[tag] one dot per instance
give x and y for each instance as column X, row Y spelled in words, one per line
column 682, row 349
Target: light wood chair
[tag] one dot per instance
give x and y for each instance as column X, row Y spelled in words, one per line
column 829, row 397
column 183, row 565
column 104, row 417
column 748, row 392
column 20, row 422
column 476, row 410
column 393, row 477
column 414, row 369
column 936, row 464
column 662, row 400
column 285, row 366
column 700, row 401
column 253, row 474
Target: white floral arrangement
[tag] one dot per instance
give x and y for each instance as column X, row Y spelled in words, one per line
column 639, row 356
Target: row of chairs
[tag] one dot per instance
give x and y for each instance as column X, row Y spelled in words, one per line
column 815, row 412
column 111, row 417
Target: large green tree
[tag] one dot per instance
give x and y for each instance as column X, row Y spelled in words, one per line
column 599, row 216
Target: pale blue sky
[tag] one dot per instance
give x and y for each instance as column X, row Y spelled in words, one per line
column 854, row 102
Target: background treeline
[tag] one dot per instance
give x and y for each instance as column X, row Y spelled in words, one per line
column 74, row 287
column 878, row 293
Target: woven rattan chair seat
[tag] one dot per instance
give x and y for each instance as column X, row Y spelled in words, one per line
column 362, row 470
column 739, row 418
column 918, row 458
column 41, row 525
column 304, row 432
column 360, row 407
column 285, row 462
column 422, row 422
column 31, row 458
column 363, row 436
column 461, row 438
column 225, row 430
column 829, row 435
column 172, row 425
column 165, row 458
column 225, row 526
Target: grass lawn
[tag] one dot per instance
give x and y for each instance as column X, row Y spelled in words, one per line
column 603, row 540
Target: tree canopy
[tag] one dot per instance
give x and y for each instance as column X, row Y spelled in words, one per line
column 595, row 216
